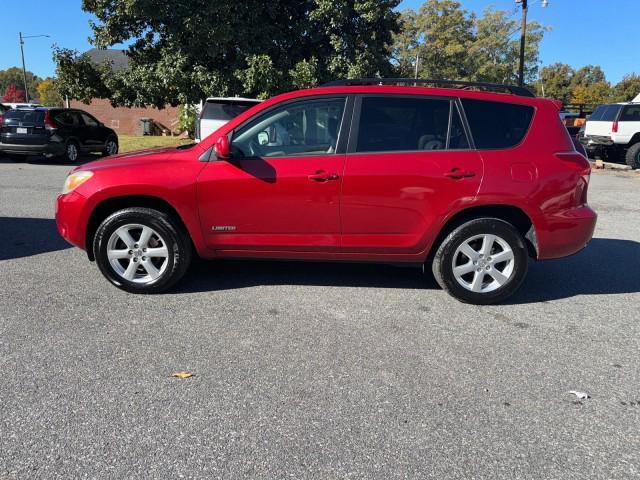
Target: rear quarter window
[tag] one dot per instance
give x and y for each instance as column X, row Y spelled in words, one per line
column 610, row 113
column 496, row 125
column 630, row 113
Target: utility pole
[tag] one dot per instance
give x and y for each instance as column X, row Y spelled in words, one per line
column 523, row 40
column 523, row 37
column 24, row 69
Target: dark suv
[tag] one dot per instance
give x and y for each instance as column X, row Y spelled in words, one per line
column 54, row 132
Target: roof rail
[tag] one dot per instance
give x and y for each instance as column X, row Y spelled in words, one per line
column 492, row 87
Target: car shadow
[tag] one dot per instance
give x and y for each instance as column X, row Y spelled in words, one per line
column 23, row 237
column 606, row 266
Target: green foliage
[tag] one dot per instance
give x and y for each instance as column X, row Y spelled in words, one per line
column 183, row 51
column 587, row 75
column 452, row 43
column 48, row 94
column 627, row 89
column 14, row 76
column 78, row 78
column 496, row 51
column 187, row 118
column 594, row 93
column 555, row 81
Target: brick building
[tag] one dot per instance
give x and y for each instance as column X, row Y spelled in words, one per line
column 124, row 120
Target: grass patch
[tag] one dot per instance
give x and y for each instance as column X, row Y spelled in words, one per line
column 132, row 143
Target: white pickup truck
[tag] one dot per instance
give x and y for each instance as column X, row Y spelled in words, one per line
column 613, row 131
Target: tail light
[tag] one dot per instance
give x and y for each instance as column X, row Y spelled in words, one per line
column 581, row 165
column 49, row 124
column 614, row 128
column 1, row 120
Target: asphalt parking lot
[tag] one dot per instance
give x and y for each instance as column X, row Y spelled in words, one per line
column 309, row 370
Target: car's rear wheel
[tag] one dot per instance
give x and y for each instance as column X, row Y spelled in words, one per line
column 110, row 147
column 71, row 152
column 633, row 156
column 142, row 250
column 483, row 261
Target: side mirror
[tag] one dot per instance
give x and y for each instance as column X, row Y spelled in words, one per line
column 223, row 148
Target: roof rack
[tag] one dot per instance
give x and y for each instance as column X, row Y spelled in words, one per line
column 492, row 87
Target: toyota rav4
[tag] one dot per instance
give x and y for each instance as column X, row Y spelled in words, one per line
column 468, row 180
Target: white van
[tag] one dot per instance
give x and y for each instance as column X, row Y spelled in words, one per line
column 216, row 111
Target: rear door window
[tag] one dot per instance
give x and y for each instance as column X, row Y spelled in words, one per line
column 407, row 124
column 497, row 125
column 224, row 109
column 630, row 113
column 67, row 119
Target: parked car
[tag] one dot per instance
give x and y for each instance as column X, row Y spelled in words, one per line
column 613, row 131
column 55, row 132
column 216, row 111
column 15, row 105
column 466, row 182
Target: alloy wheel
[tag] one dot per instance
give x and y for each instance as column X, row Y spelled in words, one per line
column 137, row 253
column 72, row 152
column 483, row 263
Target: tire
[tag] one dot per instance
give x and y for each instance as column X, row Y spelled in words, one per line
column 478, row 286
column 110, row 147
column 71, row 152
column 632, row 156
column 122, row 259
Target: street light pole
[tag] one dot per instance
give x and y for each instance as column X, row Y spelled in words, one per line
column 523, row 35
column 24, row 69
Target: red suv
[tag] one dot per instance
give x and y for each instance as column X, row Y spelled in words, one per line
column 469, row 179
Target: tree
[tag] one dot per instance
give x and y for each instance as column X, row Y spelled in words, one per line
column 452, row 43
column 495, row 53
column 48, row 93
column 444, row 36
column 555, row 81
column 13, row 94
column 250, row 48
column 14, row 76
column 594, row 93
column 627, row 89
column 587, row 75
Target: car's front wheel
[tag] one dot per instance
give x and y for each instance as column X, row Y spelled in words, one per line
column 142, row 250
column 483, row 261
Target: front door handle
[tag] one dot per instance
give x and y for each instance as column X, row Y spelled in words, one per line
column 322, row 176
column 457, row 174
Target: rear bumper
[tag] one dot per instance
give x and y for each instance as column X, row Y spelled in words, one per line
column 566, row 232
column 46, row 149
column 597, row 140
column 71, row 218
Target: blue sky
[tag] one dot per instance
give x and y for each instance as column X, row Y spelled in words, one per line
column 603, row 32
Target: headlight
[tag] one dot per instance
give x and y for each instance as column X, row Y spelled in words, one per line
column 76, row 179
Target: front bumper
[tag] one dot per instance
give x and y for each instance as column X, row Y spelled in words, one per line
column 71, row 218
column 566, row 232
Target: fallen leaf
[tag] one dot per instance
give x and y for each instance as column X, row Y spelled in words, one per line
column 183, row 374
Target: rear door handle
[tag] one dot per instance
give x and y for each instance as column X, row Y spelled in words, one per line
column 457, row 174
column 322, row 176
